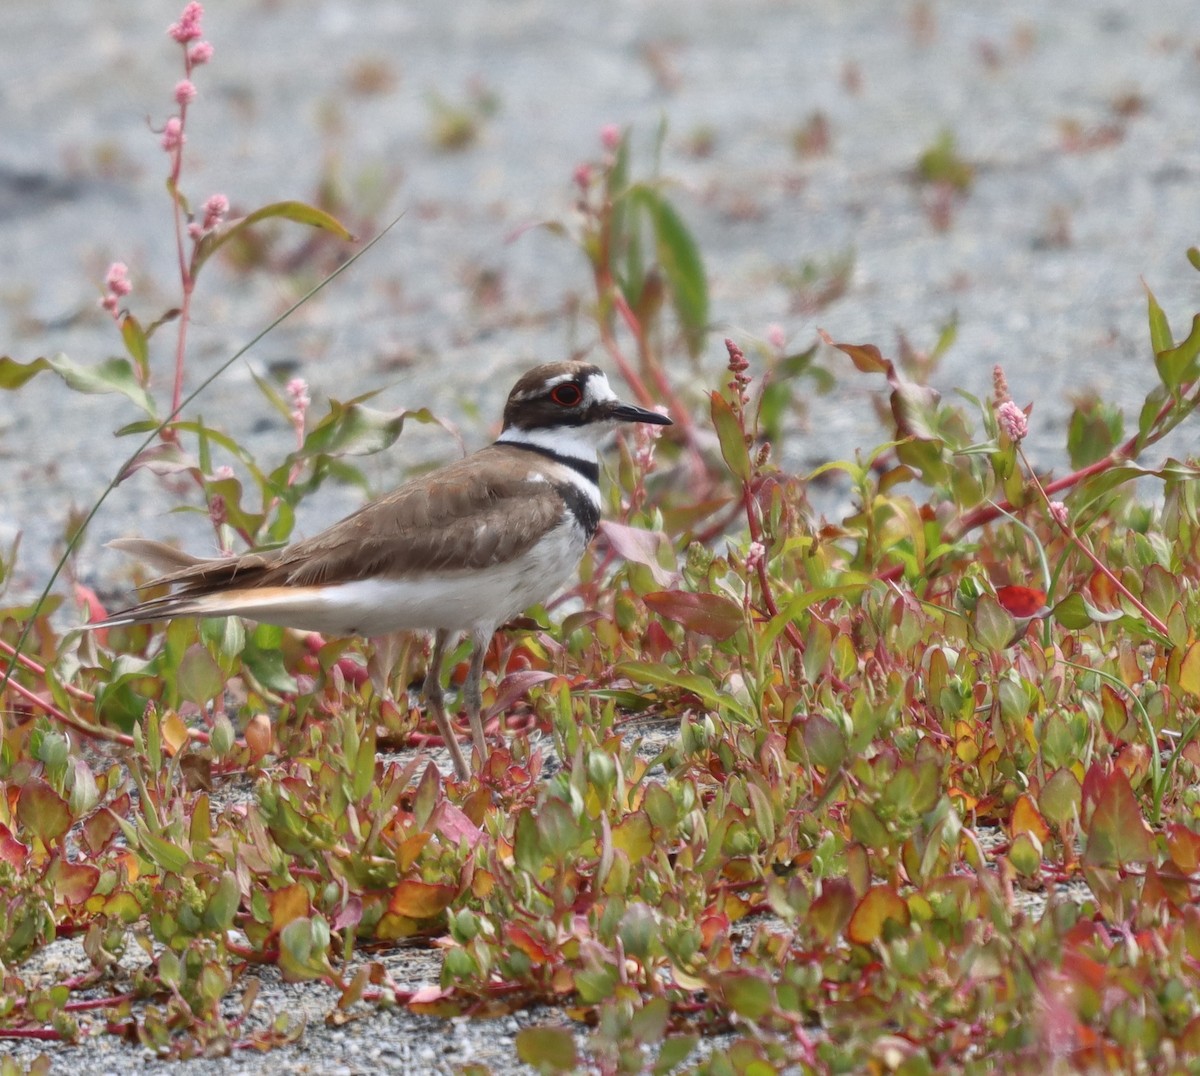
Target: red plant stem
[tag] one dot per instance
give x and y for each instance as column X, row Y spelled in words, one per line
column 985, row 513
column 1069, row 532
column 95, row 732
column 186, row 279
column 39, row 670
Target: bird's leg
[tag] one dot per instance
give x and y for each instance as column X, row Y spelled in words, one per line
column 472, row 694
column 432, row 690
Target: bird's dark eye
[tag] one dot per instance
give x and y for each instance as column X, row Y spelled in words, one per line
column 568, row 394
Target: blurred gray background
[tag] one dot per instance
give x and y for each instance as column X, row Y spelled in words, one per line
column 1079, row 119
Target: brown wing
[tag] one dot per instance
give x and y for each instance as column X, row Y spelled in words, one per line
column 467, row 515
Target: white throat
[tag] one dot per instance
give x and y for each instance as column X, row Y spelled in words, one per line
column 569, row 442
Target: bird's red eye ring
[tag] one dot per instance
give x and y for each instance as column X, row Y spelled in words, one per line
column 568, row 394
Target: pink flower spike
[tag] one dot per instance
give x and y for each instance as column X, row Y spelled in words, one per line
column 297, row 390
column 185, row 92
column 1058, row 512
column 194, row 231
column 583, row 176
column 776, row 337
column 1013, row 421
column 173, row 137
column 610, row 136
column 188, row 27
column 116, row 280
column 200, row 53
column 215, row 209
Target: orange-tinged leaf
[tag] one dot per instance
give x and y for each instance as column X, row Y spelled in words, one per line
column 289, row 903
column 704, row 614
column 420, row 900
column 1117, row 834
column 174, row 732
column 410, row 848
column 1189, row 670
column 1026, row 818
column 538, row 951
column 879, row 905
column 1184, row 846
column 867, row 357
column 482, row 884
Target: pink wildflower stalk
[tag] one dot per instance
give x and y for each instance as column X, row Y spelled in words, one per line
column 1013, row 421
column 117, row 286
column 188, row 27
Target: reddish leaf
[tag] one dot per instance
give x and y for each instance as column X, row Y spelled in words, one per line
column 420, row 900
column 538, row 951
column 639, row 546
column 867, row 357
column 12, row 851
column 43, row 811
column 1022, row 601
column 879, row 905
column 451, row 823
column 1117, row 833
column 74, row 882
column 705, row 614
column 831, row 911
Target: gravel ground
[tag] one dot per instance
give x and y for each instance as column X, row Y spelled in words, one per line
column 1079, row 118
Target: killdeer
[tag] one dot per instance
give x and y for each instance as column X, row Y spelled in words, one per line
column 461, row 549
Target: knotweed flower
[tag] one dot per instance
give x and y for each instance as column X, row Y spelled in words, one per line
column 185, row 92
column 173, row 137
column 1013, row 421
column 188, row 27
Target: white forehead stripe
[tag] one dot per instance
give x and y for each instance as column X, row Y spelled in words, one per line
column 597, row 390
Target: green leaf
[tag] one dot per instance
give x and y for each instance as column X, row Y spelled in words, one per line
column 200, row 676
column 14, row 374
column 1177, row 365
column 731, row 437
column 748, row 995
column 683, row 267
column 356, row 430
column 550, row 1049
column 300, row 212
column 1117, row 834
column 674, row 1051
column 1060, row 797
column 223, row 904
column 169, row 856
column 1075, row 612
column 112, row 375
column 136, row 344
column 994, row 626
column 1160, row 330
